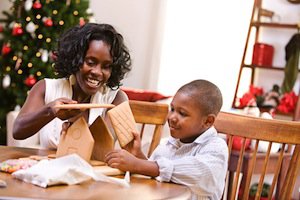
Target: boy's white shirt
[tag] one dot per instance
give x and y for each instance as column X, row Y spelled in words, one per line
column 201, row 165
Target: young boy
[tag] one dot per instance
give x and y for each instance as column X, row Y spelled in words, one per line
column 194, row 154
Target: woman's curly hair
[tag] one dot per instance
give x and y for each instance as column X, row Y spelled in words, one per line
column 74, row 43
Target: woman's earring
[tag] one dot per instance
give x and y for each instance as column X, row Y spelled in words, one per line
column 72, row 79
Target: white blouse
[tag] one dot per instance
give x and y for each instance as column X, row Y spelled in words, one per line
column 57, row 88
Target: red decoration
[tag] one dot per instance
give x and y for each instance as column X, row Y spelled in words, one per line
column 1, row 28
column 48, row 22
column 250, row 96
column 6, row 49
column 237, row 143
column 17, row 30
column 30, row 81
column 288, row 102
column 263, row 54
column 81, row 21
column 37, row 5
column 143, row 95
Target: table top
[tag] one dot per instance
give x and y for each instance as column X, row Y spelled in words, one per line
column 141, row 187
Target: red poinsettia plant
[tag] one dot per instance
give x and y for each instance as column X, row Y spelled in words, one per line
column 288, row 102
column 285, row 103
column 253, row 95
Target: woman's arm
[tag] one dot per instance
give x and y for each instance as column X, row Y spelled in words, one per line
column 35, row 113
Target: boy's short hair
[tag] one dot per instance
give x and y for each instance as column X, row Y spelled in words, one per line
column 206, row 94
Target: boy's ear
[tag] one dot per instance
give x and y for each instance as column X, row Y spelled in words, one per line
column 210, row 120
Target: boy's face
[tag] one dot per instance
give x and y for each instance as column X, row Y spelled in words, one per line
column 185, row 119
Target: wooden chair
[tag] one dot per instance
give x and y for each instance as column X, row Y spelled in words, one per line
column 283, row 165
column 150, row 113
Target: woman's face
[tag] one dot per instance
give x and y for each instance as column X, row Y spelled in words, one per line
column 96, row 68
column 185, row 119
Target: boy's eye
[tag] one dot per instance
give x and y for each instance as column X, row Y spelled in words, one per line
column 182, row 113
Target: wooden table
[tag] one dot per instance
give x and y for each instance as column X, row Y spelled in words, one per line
column 141, row 187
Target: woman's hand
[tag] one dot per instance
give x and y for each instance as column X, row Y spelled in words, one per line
column 64, row 114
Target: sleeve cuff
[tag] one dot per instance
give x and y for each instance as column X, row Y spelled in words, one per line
column 165, row 170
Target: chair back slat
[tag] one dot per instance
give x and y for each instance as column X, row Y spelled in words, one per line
column 150, row 114
column 283, row 165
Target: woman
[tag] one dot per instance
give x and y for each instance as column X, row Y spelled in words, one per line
column 91, row 61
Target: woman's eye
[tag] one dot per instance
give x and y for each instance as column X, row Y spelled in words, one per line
column 90, row 62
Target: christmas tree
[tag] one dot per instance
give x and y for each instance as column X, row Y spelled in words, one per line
column 28, row 37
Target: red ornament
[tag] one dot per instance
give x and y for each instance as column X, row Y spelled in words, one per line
column 48, row 22
column 6, row 49
column 1, row 28
column 237, row 143
column 81, row 21
column 30, row 81
column 17, row 30
column 37, row 5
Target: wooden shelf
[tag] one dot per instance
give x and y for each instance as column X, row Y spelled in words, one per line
column 274, row 25
column 266, row 67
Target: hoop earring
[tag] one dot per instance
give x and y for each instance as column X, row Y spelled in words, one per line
column 72, row 79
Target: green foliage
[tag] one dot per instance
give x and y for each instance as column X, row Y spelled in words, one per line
column 30, row 55
column 264, row 192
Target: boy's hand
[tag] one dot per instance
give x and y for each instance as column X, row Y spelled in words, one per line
column 122, row 160
column 134, row 147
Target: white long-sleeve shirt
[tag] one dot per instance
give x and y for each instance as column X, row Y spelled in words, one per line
column 201, row 165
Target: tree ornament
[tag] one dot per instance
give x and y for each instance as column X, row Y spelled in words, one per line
column 28, row 5
column 81, row 21
column 89, row 11
column 6, row 81
column 30, row 80
column 11, row 24
column 30, row 27
column 18, row 63
column 68, row 2
column 1, row 28
column 45, row 55
column 37, row 5
column 6, row 49
column 48, row 22
column 17, row 30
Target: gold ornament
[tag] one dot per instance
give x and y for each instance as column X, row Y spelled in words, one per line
column 39, row 73
column 40, row 36
column 25, row 48
column 48, row 40
column 38, row 54
column 7, row 68
column 75, row 12
column 29, row 65
column 54, row 12
column 61, row 22
column 38, row 16
column 28, row 19
column 15, row 58
column 20, row 71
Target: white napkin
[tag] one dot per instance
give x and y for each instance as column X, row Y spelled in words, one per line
column 70, row 169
